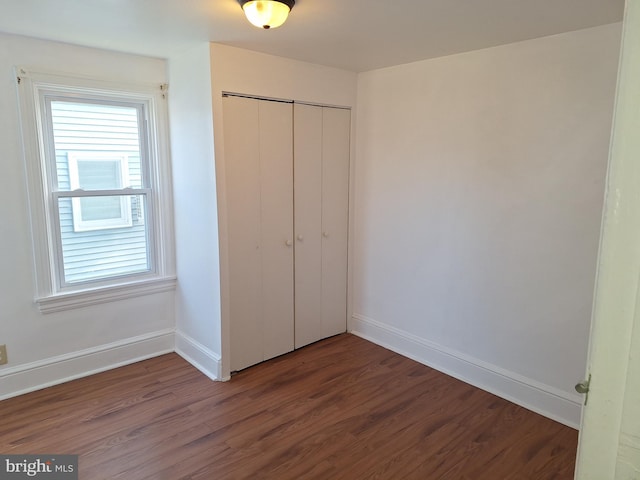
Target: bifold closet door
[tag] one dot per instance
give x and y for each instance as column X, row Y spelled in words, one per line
column 259, row 195
column 321, row 184
column 336, row 134
column 307, row 157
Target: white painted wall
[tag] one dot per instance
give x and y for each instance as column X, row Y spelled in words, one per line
column 45, row 349
column 479, row 191
column 243, row 71
column 198, row 325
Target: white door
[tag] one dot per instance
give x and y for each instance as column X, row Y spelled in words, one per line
column 276, row 179
column 308, row 223
column 321, row 182
column 609, row 445
column 336, row 127
column 259, row 195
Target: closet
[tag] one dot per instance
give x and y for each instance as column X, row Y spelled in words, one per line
column 287, row 196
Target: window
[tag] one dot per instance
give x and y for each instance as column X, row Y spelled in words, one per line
column 99, row 188
column 93, row 171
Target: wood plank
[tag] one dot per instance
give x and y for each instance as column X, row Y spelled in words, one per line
column 342, row 408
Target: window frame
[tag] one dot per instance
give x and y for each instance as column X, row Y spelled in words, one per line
column 52, row 293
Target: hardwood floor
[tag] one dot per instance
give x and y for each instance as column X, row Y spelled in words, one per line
column 342, row 408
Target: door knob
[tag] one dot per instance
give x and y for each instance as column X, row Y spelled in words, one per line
column 288, row 243
column 583, row 388
column 300, row 238
column 325, row 234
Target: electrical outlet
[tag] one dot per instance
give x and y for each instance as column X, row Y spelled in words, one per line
column 3, row 355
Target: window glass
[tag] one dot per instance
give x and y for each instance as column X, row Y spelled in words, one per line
column 97, row 149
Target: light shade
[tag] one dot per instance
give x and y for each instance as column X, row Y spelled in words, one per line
column 267, row 13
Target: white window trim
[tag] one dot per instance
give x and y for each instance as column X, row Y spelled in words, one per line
column 80, row 225
column 50, row 295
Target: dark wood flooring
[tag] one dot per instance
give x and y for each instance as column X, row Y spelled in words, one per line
column 342, row 408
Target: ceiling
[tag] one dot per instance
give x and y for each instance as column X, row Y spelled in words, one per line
column 356, row 35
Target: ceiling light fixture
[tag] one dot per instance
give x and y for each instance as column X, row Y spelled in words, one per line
column 267, row 13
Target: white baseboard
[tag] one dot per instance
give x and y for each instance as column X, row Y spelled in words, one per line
column 204, row 359
column 523, row 391
column 63, row 368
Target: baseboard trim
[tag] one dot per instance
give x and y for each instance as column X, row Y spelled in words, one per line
column 63, row 368
column 523, row 391
column 204, row 359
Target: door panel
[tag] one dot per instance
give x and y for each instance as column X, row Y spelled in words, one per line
column 276, row 189
column 242, row 162
column 259, row 180
column 308, row 217
column 335, row 218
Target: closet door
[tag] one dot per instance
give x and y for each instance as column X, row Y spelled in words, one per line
column 321, row 182
column 276, row 174
column 259, row 195
column 336, row 128
column 308, row 222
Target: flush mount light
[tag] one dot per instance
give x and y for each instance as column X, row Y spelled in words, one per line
column 267, row 13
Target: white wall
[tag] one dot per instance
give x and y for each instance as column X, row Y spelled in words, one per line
column 243, row 71
column 46, row 349
column 198, row 327
column 479, row 190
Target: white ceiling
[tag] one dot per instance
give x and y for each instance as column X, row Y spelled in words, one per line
column 357, row 35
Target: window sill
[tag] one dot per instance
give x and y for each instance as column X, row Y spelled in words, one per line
column 68, row 301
